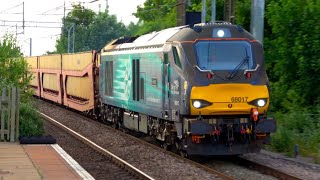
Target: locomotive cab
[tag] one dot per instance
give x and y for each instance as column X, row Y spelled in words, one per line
column 228, row 92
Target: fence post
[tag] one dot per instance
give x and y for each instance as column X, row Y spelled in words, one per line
column 9, row 114
column 13, row 113
column 17, row 113
column 1, row 118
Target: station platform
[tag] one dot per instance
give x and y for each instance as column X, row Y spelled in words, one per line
column 33, row 162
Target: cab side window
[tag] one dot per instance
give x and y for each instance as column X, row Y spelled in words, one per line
column 176, row 57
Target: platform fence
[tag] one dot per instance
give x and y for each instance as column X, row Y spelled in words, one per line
column 9, row 114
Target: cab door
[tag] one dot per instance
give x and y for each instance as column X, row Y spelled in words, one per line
column 171, row 83
column 165, row 86
column 174, row 79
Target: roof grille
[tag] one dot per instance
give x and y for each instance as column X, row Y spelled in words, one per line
column 214, row 23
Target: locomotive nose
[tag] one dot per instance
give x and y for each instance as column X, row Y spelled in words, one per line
column 228, row 99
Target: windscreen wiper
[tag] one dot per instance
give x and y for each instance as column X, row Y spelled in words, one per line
column 238, row 67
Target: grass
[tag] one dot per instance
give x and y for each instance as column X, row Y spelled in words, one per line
column 297, row 128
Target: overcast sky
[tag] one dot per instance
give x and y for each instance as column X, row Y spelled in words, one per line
column 43, row 39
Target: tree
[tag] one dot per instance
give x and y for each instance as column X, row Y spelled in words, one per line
column 92, row 31
column 156, row 15
column 196, row 6
column 14, row 72
column 81, row 18
column 13, row 67
column 104, row 29
column 294, row 45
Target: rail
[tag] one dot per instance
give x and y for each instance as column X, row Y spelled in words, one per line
column 266, row 170
column 105, row 152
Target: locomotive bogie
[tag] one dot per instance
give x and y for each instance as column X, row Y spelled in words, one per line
column 160, row 129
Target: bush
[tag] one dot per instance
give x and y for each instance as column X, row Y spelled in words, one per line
column 14, row 72
column 282, row 140
column 30, row 122
column 301, row 128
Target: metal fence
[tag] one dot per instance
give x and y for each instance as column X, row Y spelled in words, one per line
column 9, row 114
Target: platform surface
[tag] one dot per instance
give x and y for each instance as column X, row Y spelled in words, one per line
column 38, row 162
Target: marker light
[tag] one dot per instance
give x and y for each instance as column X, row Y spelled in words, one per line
column 196, row 104
column 261, row 102
column 220, row 33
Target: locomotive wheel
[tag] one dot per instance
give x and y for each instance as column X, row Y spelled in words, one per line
column 103, row 118
column 183, row 154
column 115, row 123
column 166, row 146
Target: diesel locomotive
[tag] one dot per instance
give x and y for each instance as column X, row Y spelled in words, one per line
column 201, row 89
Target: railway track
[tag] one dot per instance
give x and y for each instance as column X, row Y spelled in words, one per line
column 136, row 173
column 212, row 174
column 204, row 166
column 265, row 169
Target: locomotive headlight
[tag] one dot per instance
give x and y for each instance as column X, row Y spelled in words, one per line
column 261, row 102
column 199, row 103
column 220, row 33
column 196, row 104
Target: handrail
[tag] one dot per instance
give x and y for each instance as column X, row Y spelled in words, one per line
column 252, row 70
column 203, row 70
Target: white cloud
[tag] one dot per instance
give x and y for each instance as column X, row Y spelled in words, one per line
column 43, row 39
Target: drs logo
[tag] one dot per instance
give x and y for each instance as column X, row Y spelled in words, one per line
column 239, row 99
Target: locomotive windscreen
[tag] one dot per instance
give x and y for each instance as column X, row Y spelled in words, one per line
column 224, row 55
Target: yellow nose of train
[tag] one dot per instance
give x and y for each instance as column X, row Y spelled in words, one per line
column 228, row 99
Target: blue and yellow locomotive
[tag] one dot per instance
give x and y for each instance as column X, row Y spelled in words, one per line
column 203, row 89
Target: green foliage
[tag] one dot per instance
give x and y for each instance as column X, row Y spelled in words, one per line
column 133, row 29
column 196, row 6
column 282, row 141
column 294, row 44
column 103, row 29
column 156, row 15
column 291, row 45
column 243, row 13
column 301, row 128
column 30, row 122
column 14, row 72
column 92, row 31
column 13, row 67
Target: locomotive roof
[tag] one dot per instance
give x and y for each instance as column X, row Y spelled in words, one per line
column 181, row 33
